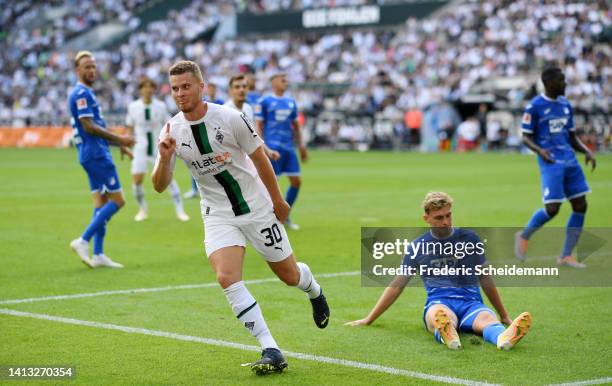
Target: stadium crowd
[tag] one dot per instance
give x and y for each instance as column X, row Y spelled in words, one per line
column 392, row 72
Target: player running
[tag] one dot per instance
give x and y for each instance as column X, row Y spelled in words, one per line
column 241, row 201
column 454, row 301
column 276, row 118
column 548, row 130
column 237, row 92
column 144, row 120
column 92, row 139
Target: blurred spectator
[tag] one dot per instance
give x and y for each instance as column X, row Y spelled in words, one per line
column 468, row 134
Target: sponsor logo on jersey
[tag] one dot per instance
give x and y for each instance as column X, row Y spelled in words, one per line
column 81, row 103
column 212, row 160
column 546, row 111
column 556, row 125
column 566, row 110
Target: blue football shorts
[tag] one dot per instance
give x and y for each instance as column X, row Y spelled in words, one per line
column 562, row 181
column 102, row 175
column 287, row 164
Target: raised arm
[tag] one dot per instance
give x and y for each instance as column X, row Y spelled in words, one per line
column 490, row 290
column 266, row 173
column 386, row 300
column 164, row 166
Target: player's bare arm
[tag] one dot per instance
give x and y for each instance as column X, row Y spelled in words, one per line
column 272, row 154
column 530, row 143
column 123, row 141
column 94, row 129
column 488, row 287
column 386, row 300
column 297, row 130
column 266, row 173
column 580, row 147
column 163, row 170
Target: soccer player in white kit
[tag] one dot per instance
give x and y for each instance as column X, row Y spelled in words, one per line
column 238, row 92
column 241, row 201
column 144, row 120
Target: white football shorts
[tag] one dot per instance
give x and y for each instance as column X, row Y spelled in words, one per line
column 141, row 159
column 261, row 228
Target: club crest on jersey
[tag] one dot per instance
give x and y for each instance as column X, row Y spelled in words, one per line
column 219, row 136
column 81, row 103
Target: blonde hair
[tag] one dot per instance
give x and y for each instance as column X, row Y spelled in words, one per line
column 80, row 55
column 184, row 66
column 436, row 201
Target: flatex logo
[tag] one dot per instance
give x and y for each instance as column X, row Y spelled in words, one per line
column 212, row 160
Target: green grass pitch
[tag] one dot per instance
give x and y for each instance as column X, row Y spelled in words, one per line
column 44, row 203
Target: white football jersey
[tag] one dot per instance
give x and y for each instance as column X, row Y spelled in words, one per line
column 246, row 109
column 147, row 120
column 215, row 150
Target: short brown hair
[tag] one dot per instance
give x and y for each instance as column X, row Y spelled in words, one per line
column 436, row 201
column 146, row 80
column 184, row 66
column 80, row 55
column 236, row 78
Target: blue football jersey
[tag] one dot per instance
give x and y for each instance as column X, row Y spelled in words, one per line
column 550, row 121
column 82, row 103
column 277, row 114
column 252, row 97
column 432, row 253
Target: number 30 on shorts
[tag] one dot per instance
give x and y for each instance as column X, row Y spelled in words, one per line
column 272, row 234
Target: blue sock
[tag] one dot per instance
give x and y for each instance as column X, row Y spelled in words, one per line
column 539, row 218
column 291, row 195
column 194, row 186
column 437, row 336
column 99, row 221
column 98, row 238
column 572, row 233
column 492, row 331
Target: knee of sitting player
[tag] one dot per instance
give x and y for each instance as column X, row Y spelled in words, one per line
column 552, row 209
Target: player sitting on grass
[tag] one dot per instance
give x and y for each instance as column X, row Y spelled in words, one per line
column 453, row 302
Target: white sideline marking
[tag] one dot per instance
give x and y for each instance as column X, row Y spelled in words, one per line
column 599, row 381
column 157, row 289
column 239, row 346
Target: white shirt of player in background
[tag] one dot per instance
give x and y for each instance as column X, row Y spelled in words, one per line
column 137, row 118
column 231, row 138
column 246, row 109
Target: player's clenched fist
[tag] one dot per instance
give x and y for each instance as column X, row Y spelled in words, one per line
column 167, row 144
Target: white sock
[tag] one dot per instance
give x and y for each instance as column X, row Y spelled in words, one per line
column 139, row 194
column 307, row 282
column 175, row 192
column 248, row 312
